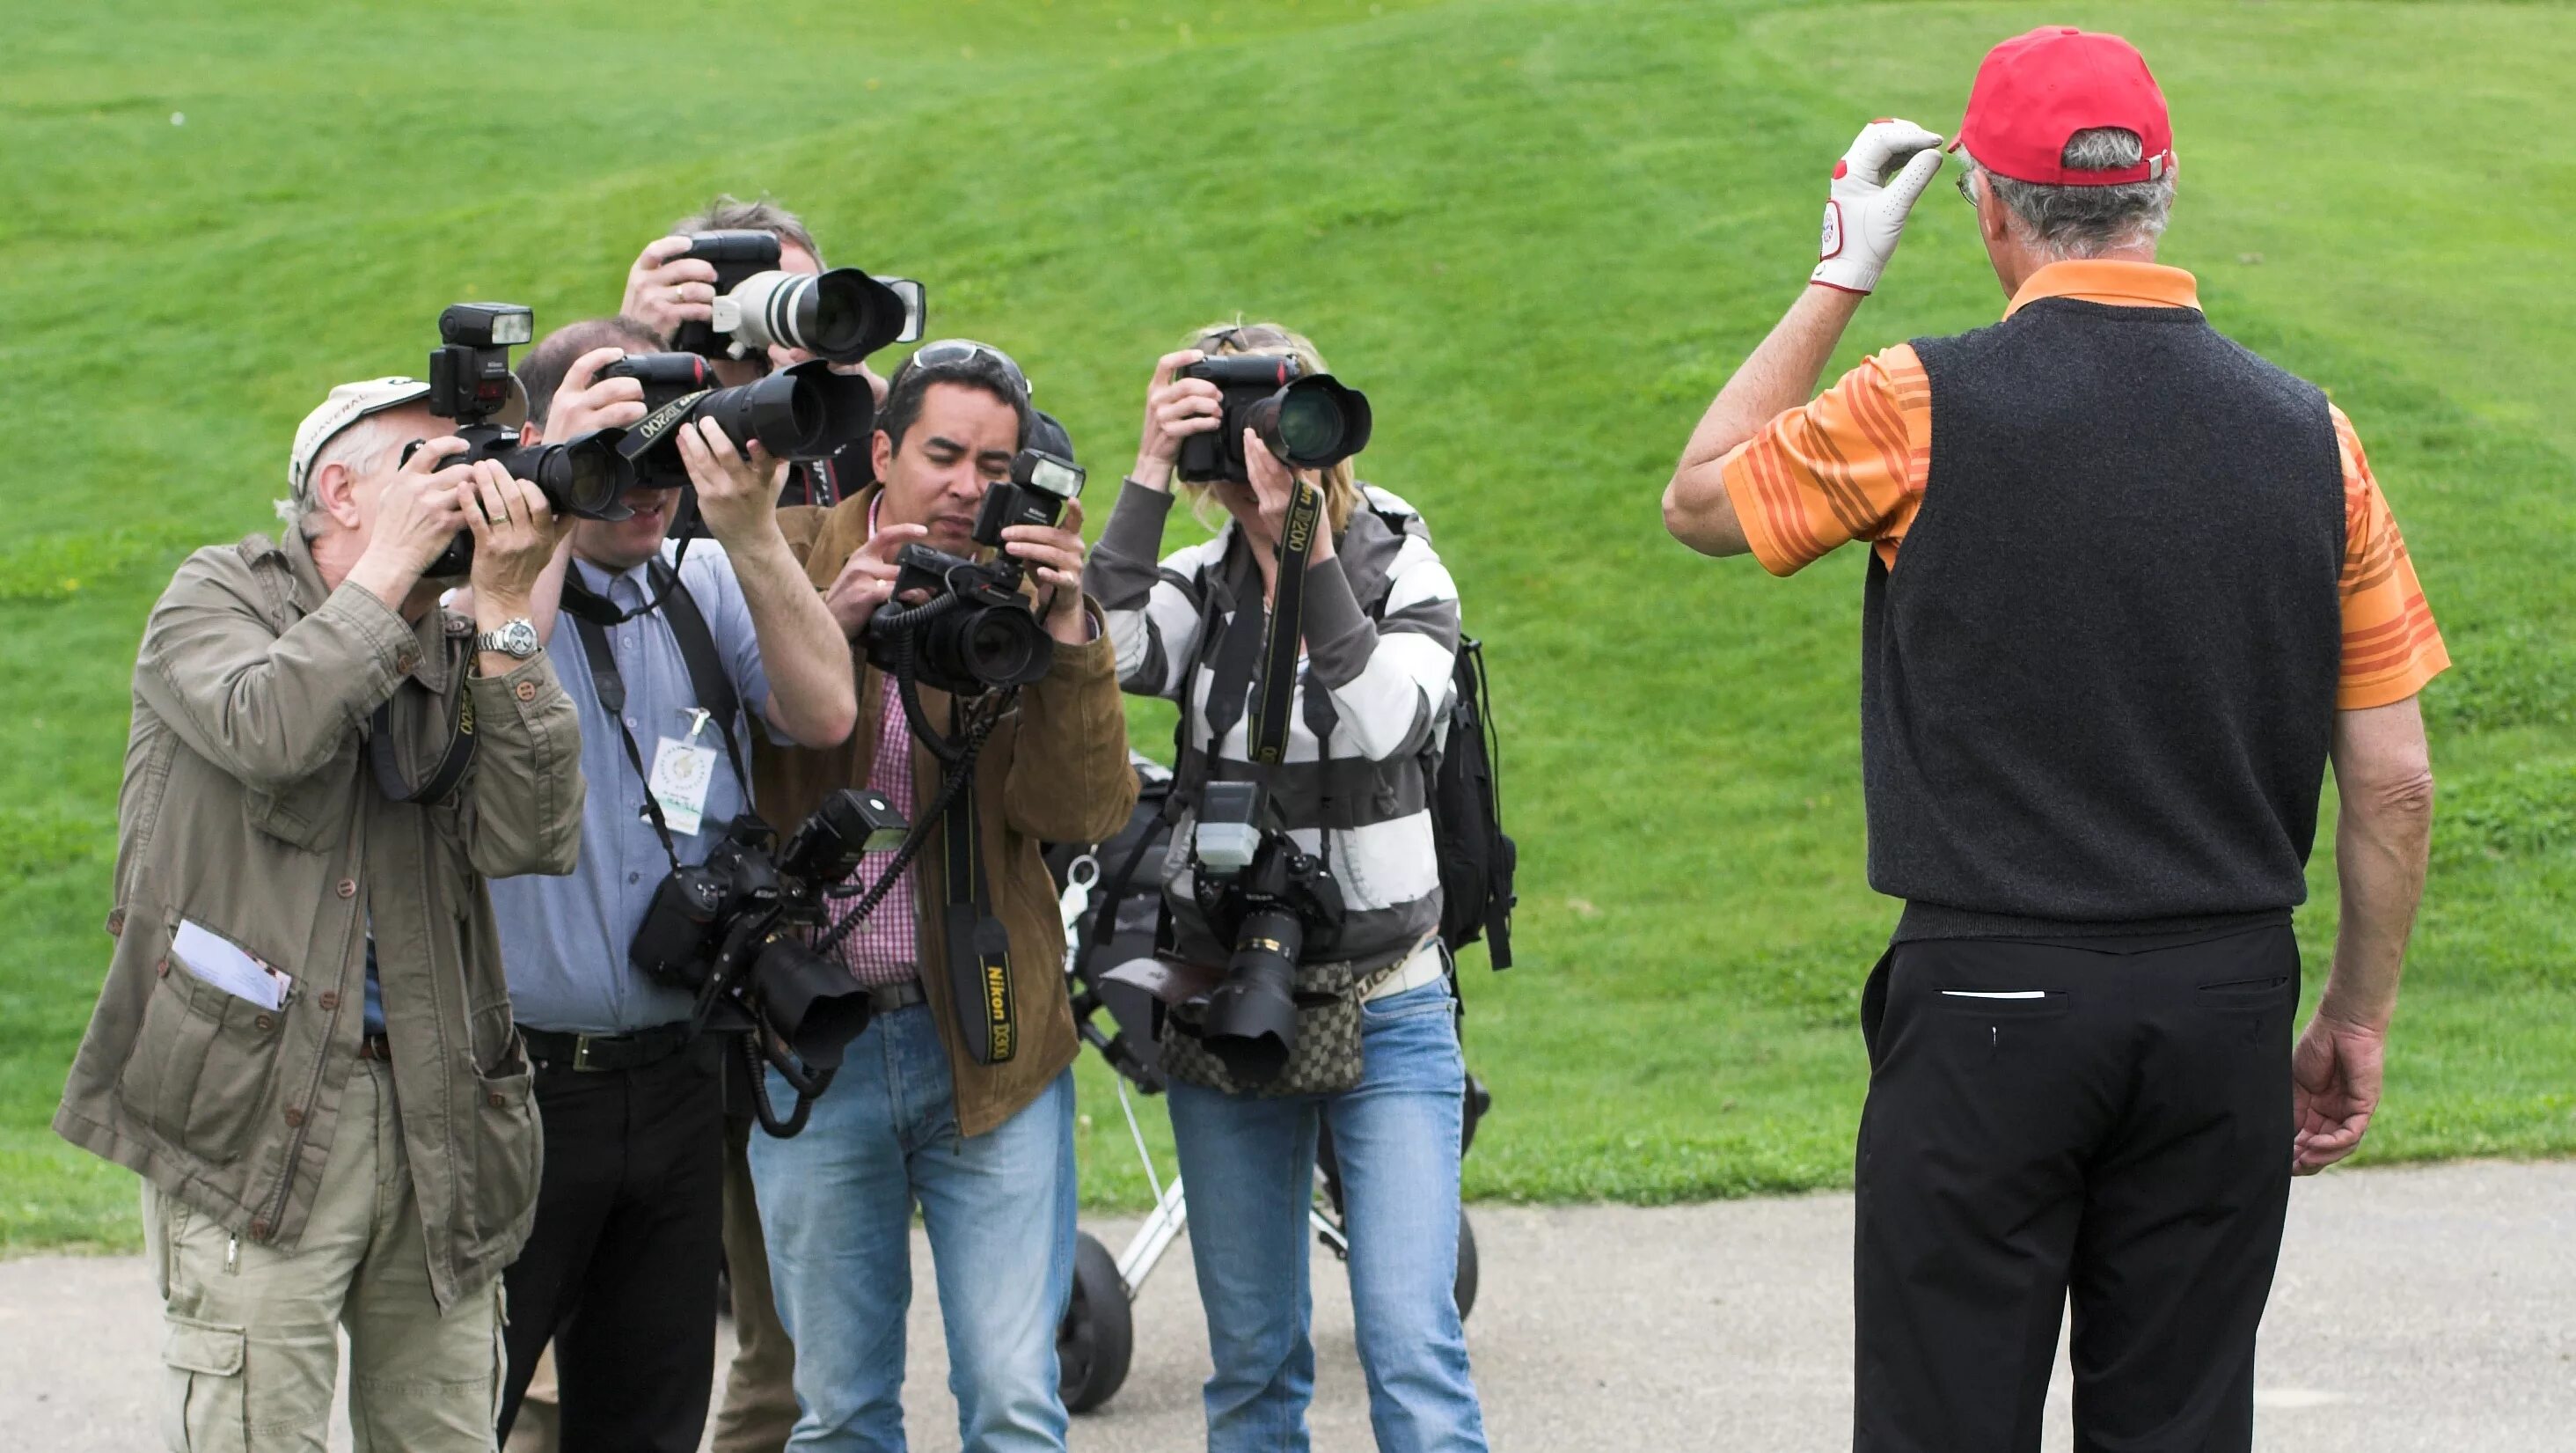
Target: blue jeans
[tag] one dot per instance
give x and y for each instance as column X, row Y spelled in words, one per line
column 836, row 1207
column 1249, row 1164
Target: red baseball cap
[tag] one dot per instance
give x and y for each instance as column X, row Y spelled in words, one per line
column 2034, row 91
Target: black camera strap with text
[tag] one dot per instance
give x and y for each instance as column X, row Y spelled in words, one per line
column 385, row 757
column 979, row 947
column 1276, row 687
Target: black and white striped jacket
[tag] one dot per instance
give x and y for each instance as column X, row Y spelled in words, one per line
column 1381, row 632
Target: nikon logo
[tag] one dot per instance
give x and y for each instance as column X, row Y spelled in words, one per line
column 661, row 420
column 465, row 716
column 997, row 1006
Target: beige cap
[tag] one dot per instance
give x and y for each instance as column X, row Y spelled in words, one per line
column 351, row 402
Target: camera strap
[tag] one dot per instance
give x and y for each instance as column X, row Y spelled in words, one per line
column 979, row 947
column 1276, row 688
column 443, row 779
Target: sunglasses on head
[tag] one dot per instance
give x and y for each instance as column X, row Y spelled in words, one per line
column 956, row 352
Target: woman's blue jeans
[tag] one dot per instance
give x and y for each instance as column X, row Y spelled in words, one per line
column 1249, row 1164
column 836, row 1208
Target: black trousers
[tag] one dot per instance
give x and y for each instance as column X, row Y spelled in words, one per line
column 2106, row 1124
column 620, row 1272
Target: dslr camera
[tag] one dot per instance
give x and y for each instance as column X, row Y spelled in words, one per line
column 469, row 382
column 840, row 314
column 1273, row 901
column 732, row 931
column 804, row 412
column 1309, row 420
column 975, row 632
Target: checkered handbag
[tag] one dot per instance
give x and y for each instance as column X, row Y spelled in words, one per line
column 1324, row 1061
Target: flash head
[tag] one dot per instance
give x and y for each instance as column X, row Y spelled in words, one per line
column 1037, row 469
column 486, row 325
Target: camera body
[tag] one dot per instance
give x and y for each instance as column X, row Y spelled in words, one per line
column 976, row 631
column 1309, row 420
column 469, row 382
column 804, row 412
column 1275, row 903
column 840, row 314
column 731, row 929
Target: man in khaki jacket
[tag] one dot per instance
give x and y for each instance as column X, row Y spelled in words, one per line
column 304, row 1043
column 963, row 1109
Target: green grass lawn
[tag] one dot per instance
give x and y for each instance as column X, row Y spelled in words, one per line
column 1539, row 234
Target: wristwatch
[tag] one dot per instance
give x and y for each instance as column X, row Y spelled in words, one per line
column 516, row 639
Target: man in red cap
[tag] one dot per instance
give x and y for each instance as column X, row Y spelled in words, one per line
column 2148, row 589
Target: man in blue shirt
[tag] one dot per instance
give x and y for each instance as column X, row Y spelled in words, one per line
column 620, row 1272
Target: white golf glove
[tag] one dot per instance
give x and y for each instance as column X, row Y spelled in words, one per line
column 1865, row 214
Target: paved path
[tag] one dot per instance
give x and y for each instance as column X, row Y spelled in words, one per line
column 2416, row 1309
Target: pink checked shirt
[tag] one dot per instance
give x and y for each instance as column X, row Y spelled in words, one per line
column 886, row 949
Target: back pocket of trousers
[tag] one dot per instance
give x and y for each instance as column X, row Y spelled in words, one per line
column 2005, row 1003
column 2264, row 991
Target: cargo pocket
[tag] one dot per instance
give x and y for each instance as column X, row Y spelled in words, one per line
column 203, row 1409
column 203, row 1065
column 507, row 1144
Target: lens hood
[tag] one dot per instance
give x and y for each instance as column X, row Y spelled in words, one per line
column 1313, row 422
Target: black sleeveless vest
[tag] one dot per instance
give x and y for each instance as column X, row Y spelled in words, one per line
column 2097, row 690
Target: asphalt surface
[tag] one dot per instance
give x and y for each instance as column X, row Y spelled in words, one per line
column 2415, row 1309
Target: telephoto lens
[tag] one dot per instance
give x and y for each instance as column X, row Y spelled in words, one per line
column 1250, row 1023
column 804, row 412
column 842, row 315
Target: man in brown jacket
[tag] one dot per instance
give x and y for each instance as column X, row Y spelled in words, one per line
column 965, row 1109
column 304, row 1044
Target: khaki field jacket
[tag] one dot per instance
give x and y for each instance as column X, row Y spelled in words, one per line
column 1054, row 770
column 249, row 809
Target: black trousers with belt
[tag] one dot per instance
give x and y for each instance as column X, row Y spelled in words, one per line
column 2105, row 1123
column 620, row 1272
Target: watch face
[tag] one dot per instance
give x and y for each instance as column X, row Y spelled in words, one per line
column 517, row 638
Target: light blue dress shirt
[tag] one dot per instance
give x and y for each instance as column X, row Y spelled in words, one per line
column 564, row 940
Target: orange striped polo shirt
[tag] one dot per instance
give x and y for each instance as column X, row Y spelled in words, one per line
column 1851, row 465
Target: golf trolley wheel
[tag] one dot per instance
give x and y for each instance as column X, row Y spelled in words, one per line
column 1098, row 1334
column 1466, row 1283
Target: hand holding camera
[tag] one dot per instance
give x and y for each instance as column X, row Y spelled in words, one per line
column 867, row 580
column 514, row 531
column 1175, row 409
column 667, row 287
column 1055, row 554
column 737, row 487
column 418, row 511
column 973, row 631
column 586, row 402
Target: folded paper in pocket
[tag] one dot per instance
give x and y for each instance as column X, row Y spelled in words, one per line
column 1994, row 993
column 221, row 962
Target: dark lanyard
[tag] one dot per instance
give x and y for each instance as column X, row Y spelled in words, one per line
column 707, row 680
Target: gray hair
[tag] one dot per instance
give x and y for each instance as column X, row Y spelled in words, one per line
column 361, row 447
column 2068, row 221
column 729, row 213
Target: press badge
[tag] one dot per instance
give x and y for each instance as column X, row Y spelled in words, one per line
column 681, row 771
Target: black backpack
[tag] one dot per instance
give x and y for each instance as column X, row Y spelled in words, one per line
column 1477, row 858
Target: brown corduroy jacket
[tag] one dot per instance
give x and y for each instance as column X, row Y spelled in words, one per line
column 1054, row 770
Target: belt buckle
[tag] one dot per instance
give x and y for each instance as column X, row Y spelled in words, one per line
column 581, row 1053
